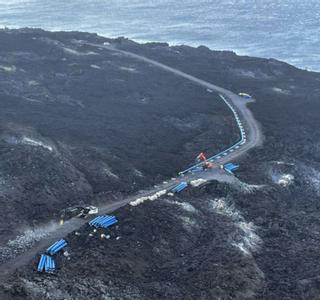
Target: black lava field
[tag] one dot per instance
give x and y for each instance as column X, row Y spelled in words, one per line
column 81, row 125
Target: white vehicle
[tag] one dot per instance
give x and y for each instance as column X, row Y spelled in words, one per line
column 92, row 210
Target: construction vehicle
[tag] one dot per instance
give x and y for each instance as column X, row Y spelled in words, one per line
column 77, row 211
column 205, row 164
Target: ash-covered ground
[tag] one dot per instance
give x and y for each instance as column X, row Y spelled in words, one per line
column 80, row 124
column 76, row 124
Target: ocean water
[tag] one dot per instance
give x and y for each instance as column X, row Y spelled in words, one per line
column 288, row 30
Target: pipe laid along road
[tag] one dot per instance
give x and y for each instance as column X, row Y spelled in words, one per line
column 243, row 116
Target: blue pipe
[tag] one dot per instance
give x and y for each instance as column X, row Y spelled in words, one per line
column 42, row 263
column 61, row 242
column 103, row 220
column 98, row 221
column 106, row 219
column 95, row 220
column 109, row 224
column 112, row 220
column 240, row 142
column 47, row 265
column 58, row 248
column 53, row 245
column 53, row 264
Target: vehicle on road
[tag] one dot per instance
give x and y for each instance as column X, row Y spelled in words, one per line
column 77, row 211
column 245, row 95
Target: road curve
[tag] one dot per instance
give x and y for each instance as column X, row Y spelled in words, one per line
column 253, row 139
column 252, row 128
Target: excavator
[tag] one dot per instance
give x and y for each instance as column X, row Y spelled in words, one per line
column 205, row 164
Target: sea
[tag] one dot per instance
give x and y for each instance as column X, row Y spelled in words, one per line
column 287, row 30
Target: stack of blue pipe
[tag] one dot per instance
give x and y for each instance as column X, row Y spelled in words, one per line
column 180, row 187
column 56, row 247
column 46, row 263
column 50, row 265
column 230, row 167
column 103, row 221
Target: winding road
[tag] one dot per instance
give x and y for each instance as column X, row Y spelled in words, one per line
column 250, row 133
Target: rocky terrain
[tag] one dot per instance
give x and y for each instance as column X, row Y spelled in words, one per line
column 81, row 124
column 76, row 124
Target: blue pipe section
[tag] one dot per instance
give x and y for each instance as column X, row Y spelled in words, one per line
column 56, row 247
column 230, row 167
column 96, row 220
column 53, row 249
column 103, row 221
column 50, row 265
column 42, row 263
column 53, row 245
column 107, row 220
column 239, row 143
column 181, row 186
column 109, row 223
column 60, row 247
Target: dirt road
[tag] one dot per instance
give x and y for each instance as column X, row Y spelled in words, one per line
column 253, row 138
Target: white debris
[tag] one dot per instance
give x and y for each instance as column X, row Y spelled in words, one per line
column 281, row 91
column 246, row 240
column 10, row 69
column 109, row 173
column 198, row 182
column 118, row 238
column 171, row 194
column 151, row 198
column 242, row 248
column 128, row 69
column 26, row 240
column 36, row 143
column 279, row 162
column 285, row 180
column 95, row 67
column 282, row 179
column 75, row 52
column 247, row 188
column 188, row 223
column 33, row 83
column 185, row 205
column 138, row 173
